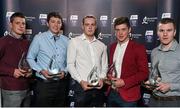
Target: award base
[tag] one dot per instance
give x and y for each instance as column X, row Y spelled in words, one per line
column 108, row 81
column 94, row 85
column 149, row 86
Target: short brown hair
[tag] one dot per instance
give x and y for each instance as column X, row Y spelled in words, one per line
column 89, row 16
column 122, row 20
column 16, row 14
column 54, row 14
column 166, row 21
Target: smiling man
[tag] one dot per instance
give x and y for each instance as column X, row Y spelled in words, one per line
column 50, row 48
column 131, row 65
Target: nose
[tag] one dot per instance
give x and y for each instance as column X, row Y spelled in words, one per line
column 165, row 33
column 22, row 25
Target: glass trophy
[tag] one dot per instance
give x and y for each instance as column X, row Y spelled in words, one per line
column 154, row 77
column 23, row 64
column 53, row 67
column 112, row 73
column 93, row 78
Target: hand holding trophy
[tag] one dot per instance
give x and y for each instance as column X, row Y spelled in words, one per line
column 154, row 78
column 53, row 68
column 93, row 78
column 24, row 66
column 112, row 73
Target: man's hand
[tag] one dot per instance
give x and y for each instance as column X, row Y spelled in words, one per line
column 27, row 73
column 117, row 82
column 61, row 74
column 100, row 83
column 84, row 85
column 46, row 74
column 163, row 87
column 18, row 73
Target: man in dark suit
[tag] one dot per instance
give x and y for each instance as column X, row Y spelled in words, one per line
column 130, row 62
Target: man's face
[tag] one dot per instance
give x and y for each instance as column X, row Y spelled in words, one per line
column 18, row 26
column 89, row 26
column 122, row 32
column 55, row 25
column 166, row 33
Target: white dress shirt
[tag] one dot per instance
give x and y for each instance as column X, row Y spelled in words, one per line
column 118, row 57
column 83, row 55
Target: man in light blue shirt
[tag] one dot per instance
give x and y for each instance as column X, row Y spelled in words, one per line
column 47, row 56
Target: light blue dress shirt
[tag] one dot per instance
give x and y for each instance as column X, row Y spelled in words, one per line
column 43, row 48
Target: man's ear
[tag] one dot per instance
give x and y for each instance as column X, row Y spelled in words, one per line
column 10, row 24
column 129, row 29
column 82, row 26
column 174, row 32
column 47, row 24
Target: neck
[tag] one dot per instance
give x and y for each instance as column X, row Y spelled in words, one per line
column 15, row 35
column 90, row 38
column 167, row 47
column 122, row 42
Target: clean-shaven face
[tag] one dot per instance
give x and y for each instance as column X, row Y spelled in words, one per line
column 55, row 25
column 166, row 33
column 89, row 26
column 122, row 32
column 18, row 26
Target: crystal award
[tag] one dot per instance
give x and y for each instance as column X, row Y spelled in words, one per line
column 23, row 64
column 53, row 68
column 93, row 78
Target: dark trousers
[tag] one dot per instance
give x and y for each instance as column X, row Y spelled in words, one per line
column 89, row 98
column 115, row 100
column 161, row 103
column 50, row 94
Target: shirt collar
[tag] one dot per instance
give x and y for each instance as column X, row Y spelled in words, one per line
column 123, row 44
column 12, row 34
column 84, row 38
column 172, row 48
column 52, row 35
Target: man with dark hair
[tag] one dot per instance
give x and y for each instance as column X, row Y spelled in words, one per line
column 166, row 60
column 14, row 81
column 47, row 56
column 130, row 63
column 87, row 55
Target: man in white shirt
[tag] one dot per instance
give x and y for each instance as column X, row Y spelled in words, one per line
column 85, row 52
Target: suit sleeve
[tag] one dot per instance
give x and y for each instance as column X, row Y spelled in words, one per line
column 142, row 68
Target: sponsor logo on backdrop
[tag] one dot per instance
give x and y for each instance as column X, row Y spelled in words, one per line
column 149, row 36
column 166, row 15
column 8, row 15
column 6, row 33
column 73, row 35
column 147, row 20
column 134, row 20
column 103, row 20
column 136, row 36
column 28, row 33
column 31, row 18
column 42, row 19
column 73, row 20
column 113, row 20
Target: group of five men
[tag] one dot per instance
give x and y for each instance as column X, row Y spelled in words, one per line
column 79, row 57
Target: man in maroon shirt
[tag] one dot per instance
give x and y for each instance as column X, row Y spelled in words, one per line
column 14, row 81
